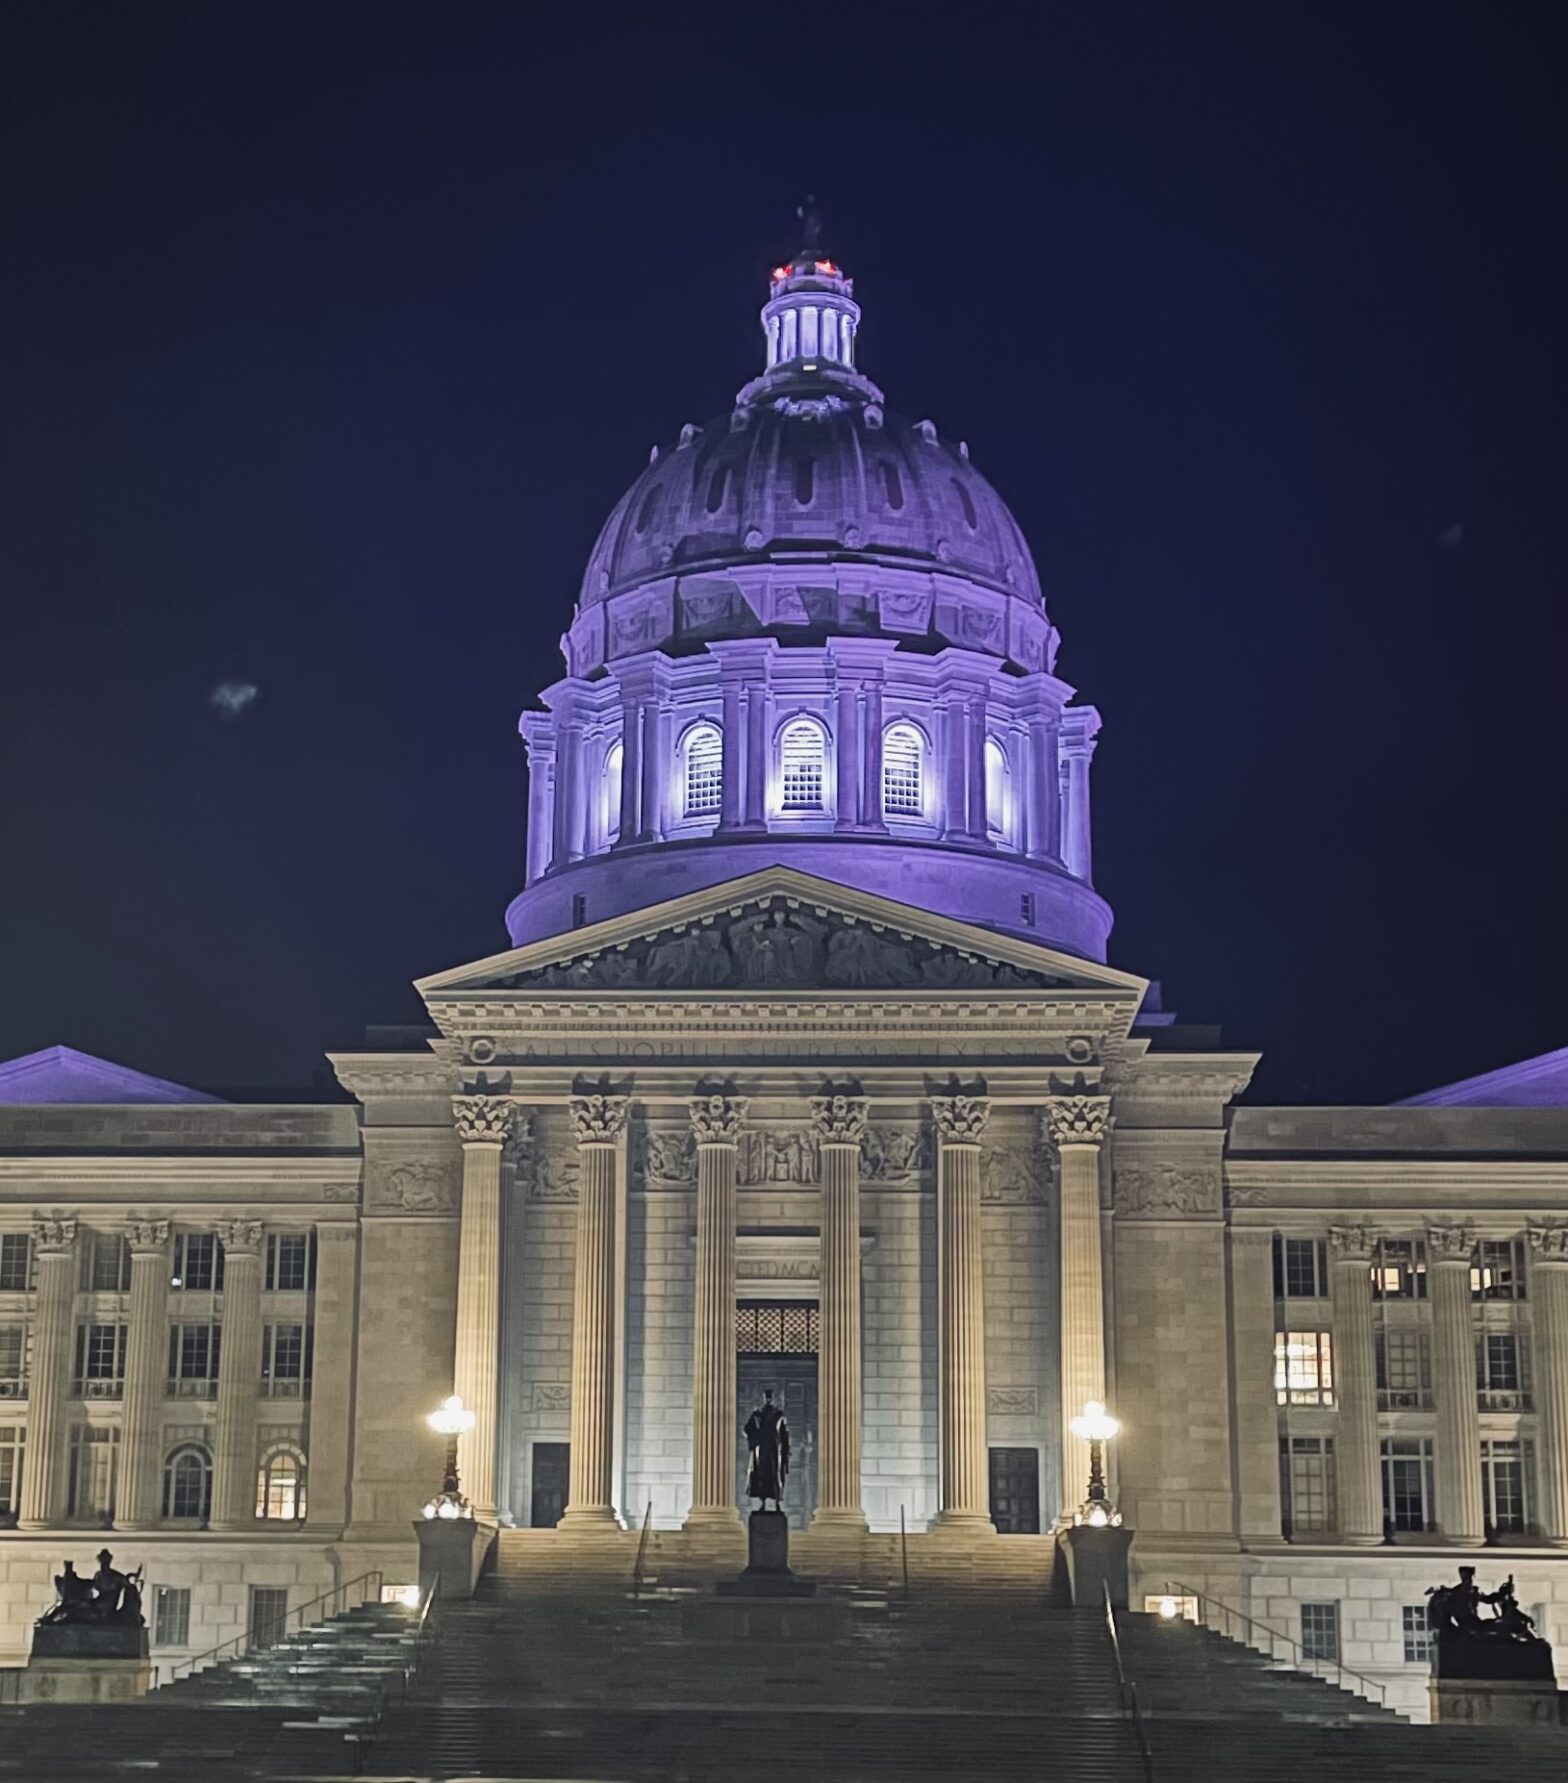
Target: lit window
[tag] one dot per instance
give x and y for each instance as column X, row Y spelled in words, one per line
column 903, row 758
column 1304, row 1368
column 704, row 750
column 280, row 1487
column 802, row 751
column 614, row 768
column 187, row 1483
column 1498, row 1270
column 1399, row 1269
column 995, row 789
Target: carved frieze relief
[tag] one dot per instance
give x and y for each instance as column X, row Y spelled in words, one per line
column 1167, row 1191
column 412, row 1185
column 1010, row 1175
column 667, row 1158
column 1014, row 1402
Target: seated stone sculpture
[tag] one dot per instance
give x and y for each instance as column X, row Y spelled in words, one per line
column 110, row 1598
column 1467, row 1643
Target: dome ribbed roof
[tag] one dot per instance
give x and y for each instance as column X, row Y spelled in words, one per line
column 821, row 475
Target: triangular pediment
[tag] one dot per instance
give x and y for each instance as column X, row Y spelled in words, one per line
column 61, row 1074
column 781, row 930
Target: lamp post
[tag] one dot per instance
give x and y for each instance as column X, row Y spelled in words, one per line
column 1095, row 1426
column 452, row 1420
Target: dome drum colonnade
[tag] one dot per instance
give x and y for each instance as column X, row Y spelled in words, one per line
column 813, row 632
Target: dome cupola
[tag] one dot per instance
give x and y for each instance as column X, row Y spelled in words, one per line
column 812, row 632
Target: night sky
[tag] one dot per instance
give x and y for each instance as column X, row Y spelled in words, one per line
column 331, row 332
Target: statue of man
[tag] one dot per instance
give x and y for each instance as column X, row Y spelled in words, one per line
column 767, row 1438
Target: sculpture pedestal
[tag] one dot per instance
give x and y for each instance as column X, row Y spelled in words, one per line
column 766, row 1602
column 1096, row 1563
column 80, row 1662
column 1494, row 1682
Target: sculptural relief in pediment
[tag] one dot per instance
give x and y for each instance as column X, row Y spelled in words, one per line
column 779, row 944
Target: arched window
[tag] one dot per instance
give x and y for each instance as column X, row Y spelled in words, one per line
column 805, row 480
column 891, row 485
column 716, row 485
column 614, row 767
column 903, row 771
column 995, row 789
column 280, row 1486
column 802, row 762
column 187, row 1483
column 704, row 769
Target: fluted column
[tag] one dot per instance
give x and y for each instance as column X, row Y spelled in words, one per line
column 43, row 1475
column 1549, row 1290
column 847, row 763
column 139, row 1497
column 1077, row 1126
column 872, row 816
column 239, row 1378
column 840, row 1122
column 597, row 1122
column 1357, row 1465
column 960, row 1122
column 715, row 1124
column 1460, row 1516
column 484, row 1123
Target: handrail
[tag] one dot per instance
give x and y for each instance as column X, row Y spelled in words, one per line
column 363, row 1738
column 642, row 1549
column 1129, row 1690
column 242, row 1643
column 903, row 1549
column 1300, row 1658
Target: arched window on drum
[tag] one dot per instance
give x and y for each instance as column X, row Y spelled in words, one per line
column 803, row 750
column 702, row 770
column 903, row 771
column 998, row 792
column 614, row 768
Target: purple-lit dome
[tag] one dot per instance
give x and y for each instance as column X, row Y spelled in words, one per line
column 810, row 475
column 811, row 634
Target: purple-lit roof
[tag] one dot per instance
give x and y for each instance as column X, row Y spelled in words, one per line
column 62, row 1074
column 1533, row 1083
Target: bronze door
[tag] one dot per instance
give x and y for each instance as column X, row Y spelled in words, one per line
column 1015, row 1491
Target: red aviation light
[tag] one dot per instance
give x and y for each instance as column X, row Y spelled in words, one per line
column 780, row 273
column 829, row 268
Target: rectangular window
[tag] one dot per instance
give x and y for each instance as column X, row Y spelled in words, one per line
column 1300, row 1268
column 1418, row 1634
column 1404, row 1369
column 1407, row 1483
column 198, row 1262
column 1500, row 1372
column 100, row 1361
column 1320, row 1631
column 12, row 1437
column 16, row 1262
column 171, row 1616
column 1304, row 1368
column 269, row 1609
column 1505, row 1472
column 1498, row 1270
column 1399, row 1269
column 90, row 1481
column 193, row 1360
column 290, row 1262
column 13, row 1361
column 286, row 1361
column 109, row 1271
column 1307, row 1484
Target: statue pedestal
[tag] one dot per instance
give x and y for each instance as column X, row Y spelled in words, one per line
column 766, row 1602
column 1494, row 1682
column 83, row 1662
column 452, row 1554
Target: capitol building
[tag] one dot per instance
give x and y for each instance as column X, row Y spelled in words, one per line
column 803, row 1068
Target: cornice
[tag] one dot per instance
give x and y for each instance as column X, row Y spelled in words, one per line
column 163, row 1178
column 365, row 1074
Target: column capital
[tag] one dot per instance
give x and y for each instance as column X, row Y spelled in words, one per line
column 1077, row 1120
column 839, row 1119
column 1549, row 1244
column 147, row 1237
column 717, row 1120
column 240, row 1238
column 1450, row 1244
column 55, row 1234
column 483, row 1120
column 1352, row 1244
column 598, row 1120
column 960, row 1120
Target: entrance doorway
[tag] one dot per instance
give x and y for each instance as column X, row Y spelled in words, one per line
column 552, row 1474
column 776, row 1345
column 1015, row 1491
